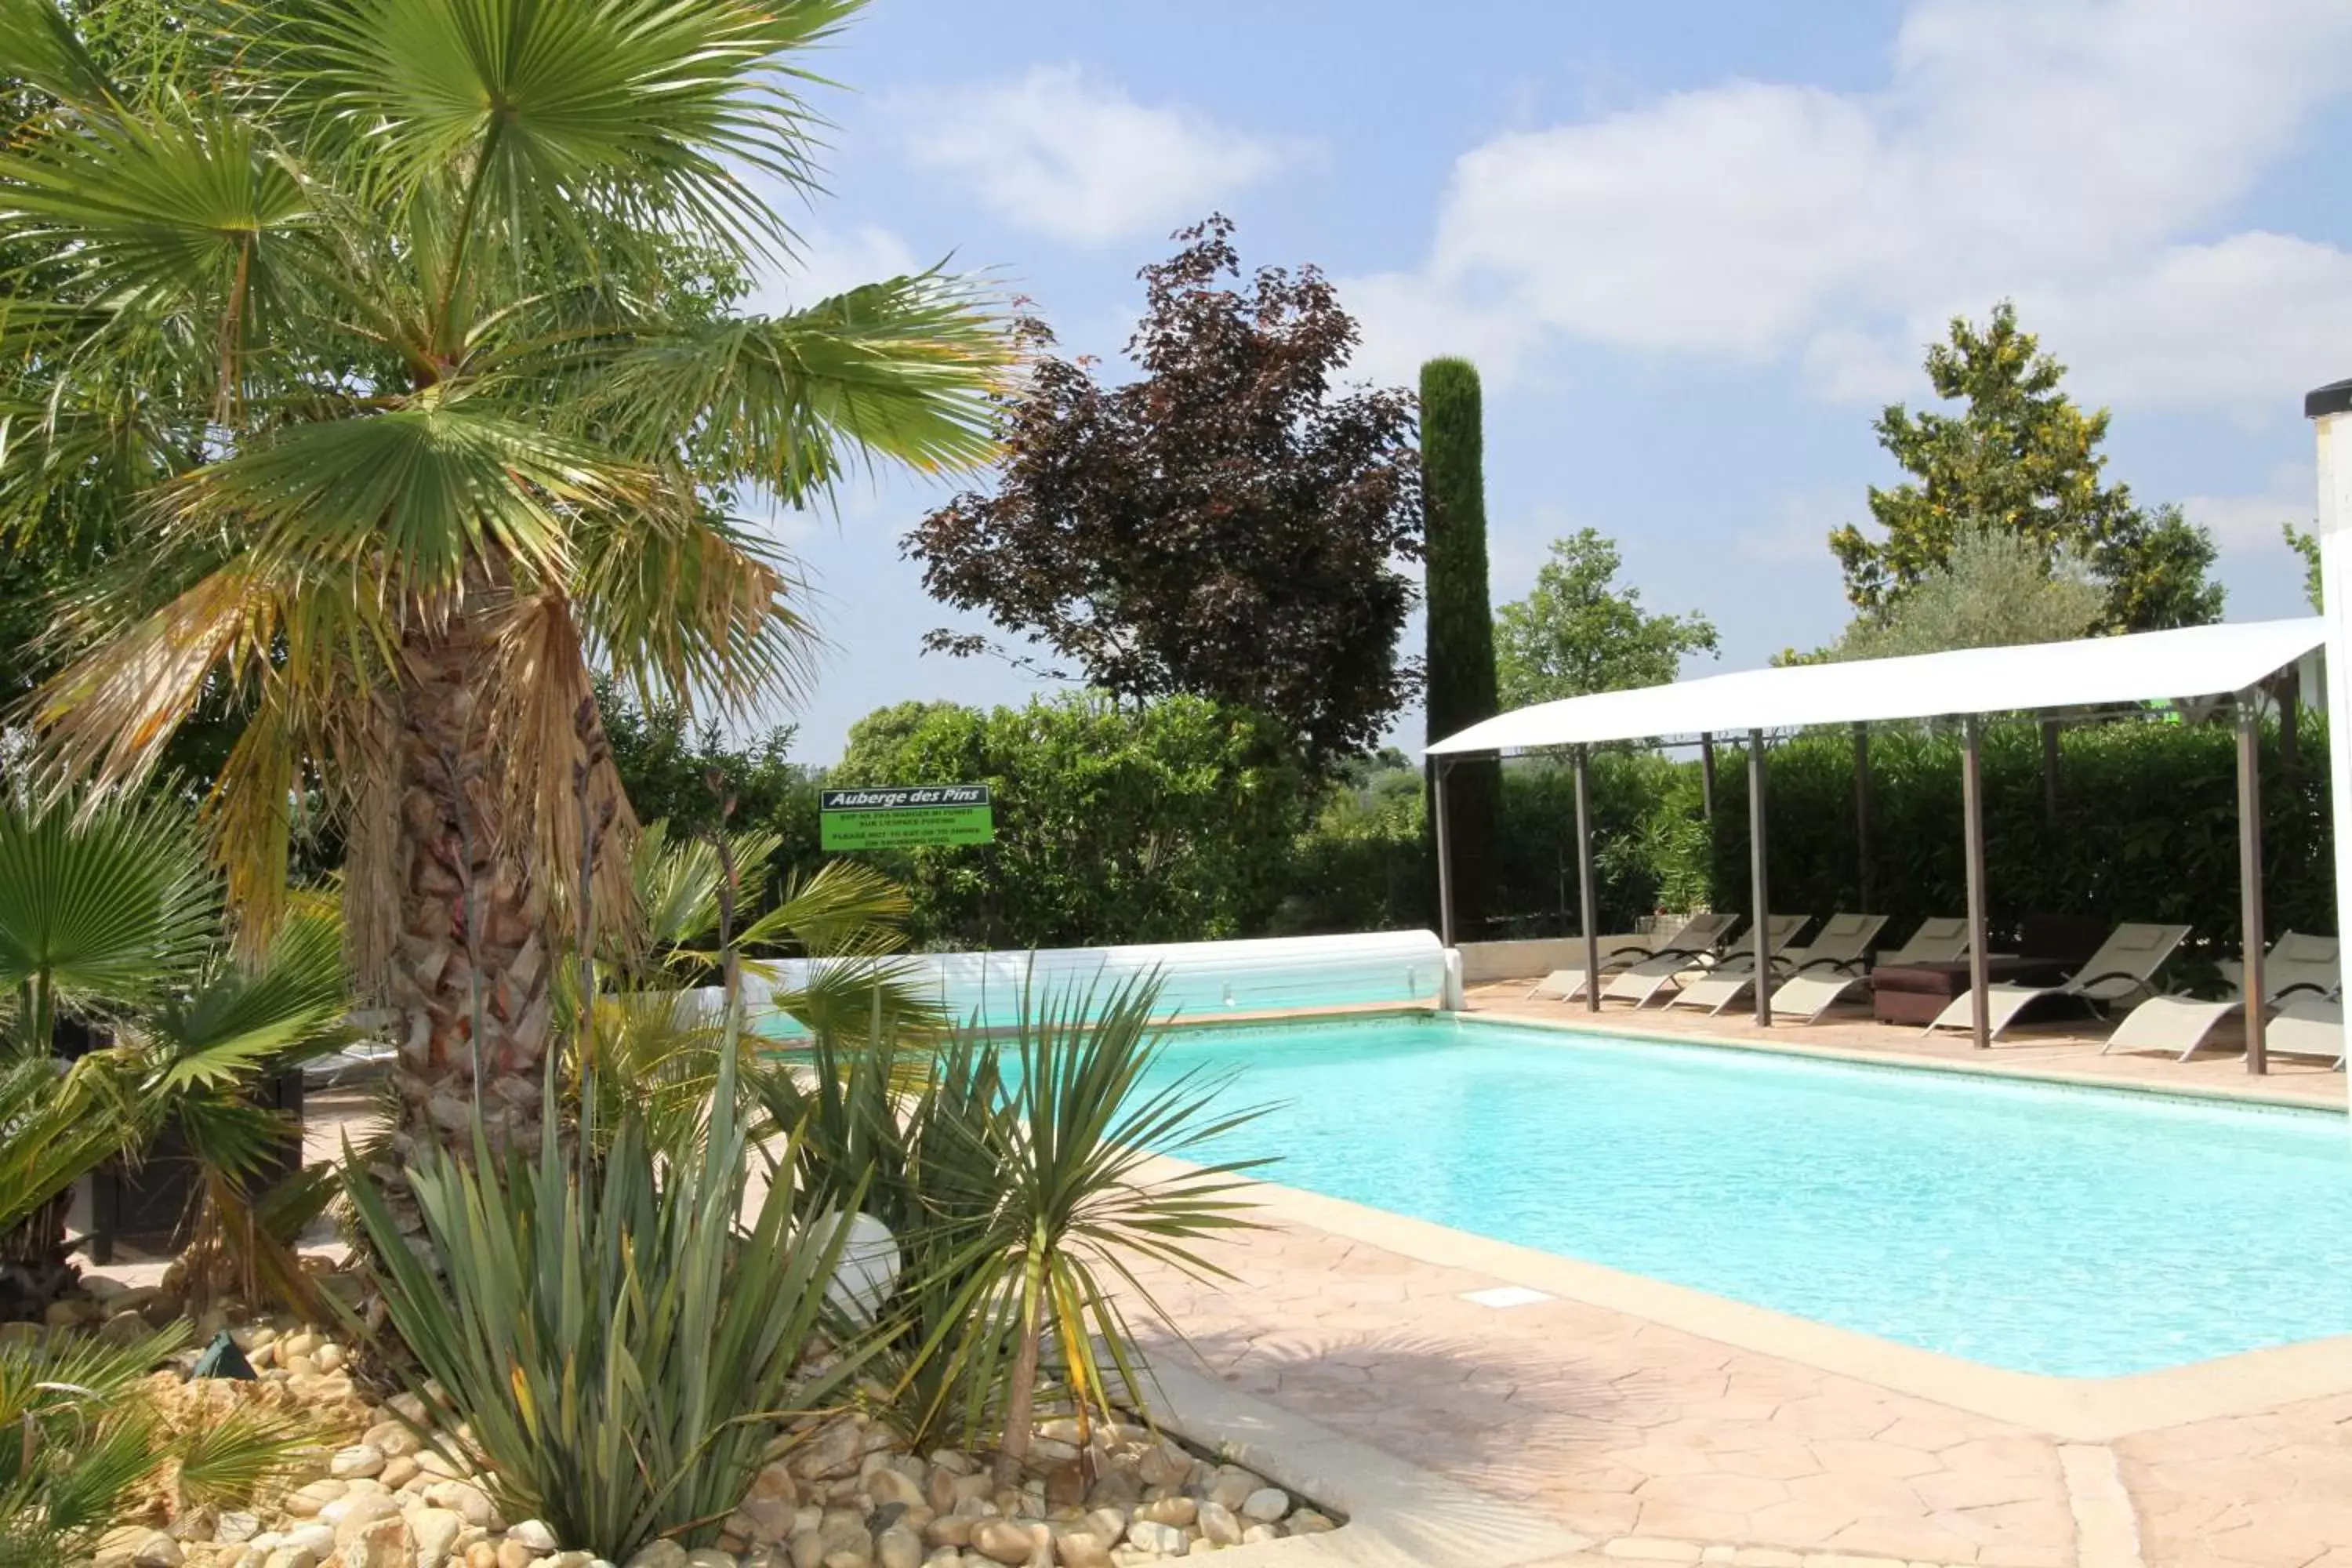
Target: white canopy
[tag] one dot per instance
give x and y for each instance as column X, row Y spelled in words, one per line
column 2195, row 662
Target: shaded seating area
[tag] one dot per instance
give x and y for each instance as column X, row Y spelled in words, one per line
column 2122, row 971
column 2211, row 673
column 2298, row 968
column 1696, row 940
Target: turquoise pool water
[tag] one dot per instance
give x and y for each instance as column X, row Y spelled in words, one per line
column 2074, row 1233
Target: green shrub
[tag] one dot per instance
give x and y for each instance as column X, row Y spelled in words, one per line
column 2147, row 827
column 1016, row 1178
column 1167, row 821
column 618, row 1346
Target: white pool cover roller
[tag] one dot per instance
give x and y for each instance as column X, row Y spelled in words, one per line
column 1199, row 981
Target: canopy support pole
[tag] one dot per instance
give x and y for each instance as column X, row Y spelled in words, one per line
column 1706, row 775
column 2250, row 871
column 1972, row 830
column 1444, row 858
column 2050, row 775
column 1760, row 916
column 1861, row 813
column 1587, row 902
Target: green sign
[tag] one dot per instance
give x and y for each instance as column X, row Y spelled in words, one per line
column 905, row 816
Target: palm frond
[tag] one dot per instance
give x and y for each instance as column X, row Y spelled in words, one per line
column 897, row 370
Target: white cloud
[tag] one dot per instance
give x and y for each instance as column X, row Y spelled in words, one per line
column 2074, row 154
column 832, row 262
column 1063, row 155
column 2250, row 522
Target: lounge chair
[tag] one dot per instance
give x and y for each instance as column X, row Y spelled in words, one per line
column 1700, row 935
column 1720, row 983
column 1813, row 989
column 2307, row 1026
column 2125, row 965
column 2296, row 966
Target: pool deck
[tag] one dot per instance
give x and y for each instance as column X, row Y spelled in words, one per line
column 1659, row 1425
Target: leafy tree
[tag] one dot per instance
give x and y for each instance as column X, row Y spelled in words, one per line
column 667, row 761
column 1993, row 590
column 1461, row 668
column 1578, row 632
column 1224, row 525
column 2306, row 545
column 409, row 334
column 1166, row 821
column 2020, row 456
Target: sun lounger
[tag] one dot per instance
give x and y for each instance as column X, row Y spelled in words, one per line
column 2125, row 965
column 1723, row 981
column 2307, row 1026
column 1700, row 935
column 2297, row 966
column 1810, row 993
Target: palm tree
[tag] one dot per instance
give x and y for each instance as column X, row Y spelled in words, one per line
column 409, row 327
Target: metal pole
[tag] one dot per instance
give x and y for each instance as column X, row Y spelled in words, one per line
column 1706, row 775
column 2050, row 773
column 1588, row 901
column 2330, row 409
column 1862, row 815
column 2250, row 871
column 1761, row 916
column 1445, row 858
column 1972, row 828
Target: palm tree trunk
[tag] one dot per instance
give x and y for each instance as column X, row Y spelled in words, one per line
column 474, row 949
column 1021, row 1391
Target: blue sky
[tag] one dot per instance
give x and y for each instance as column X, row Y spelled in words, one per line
column 1693, row 245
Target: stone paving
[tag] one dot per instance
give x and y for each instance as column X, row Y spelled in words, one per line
column 2274, row 1489
column 1644, row 1438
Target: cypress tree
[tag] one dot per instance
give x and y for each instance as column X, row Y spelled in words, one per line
column 1461, row 652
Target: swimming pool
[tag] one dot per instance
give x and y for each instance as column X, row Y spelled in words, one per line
column 2069, row 1232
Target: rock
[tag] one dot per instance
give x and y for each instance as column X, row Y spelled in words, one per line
column 807, row 1550
column 1081, row 1549
column 831, row 1452
column 1165, row 1465
column 290, row 1557
column 157, row 1550
column 1179, row 1512
column 465, row 1499
column 513, row 1553
column 71, row 1313
column 481, row 1554
column 566, row 1560
column 1258, row 1532
column 775, row 1480
column 1003, row 1540
column 949, row 1529
column 658, row 1554
column 1218, row 1524
column 843, row 1560
column 398, row 1472
column 379, row 1543
column 1120, row 1487
column 391, row 1439
column 235, row 1529
column 764, row 1520
column 436, row 1464
column 533, row 1533
column 899, row 1547
column 317, row 1539
column 1066, row 1485
column 1265, row 1505
column 954, row 1461
column 1231, row 1487
column 708, row 1557
column 330, row 1357
column 1307, row 1521
column 890, row 1486
column 360, row 1459
column 1160, row 1540
column 354, row 1513
column 434, row 1532
column 125, row 1328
